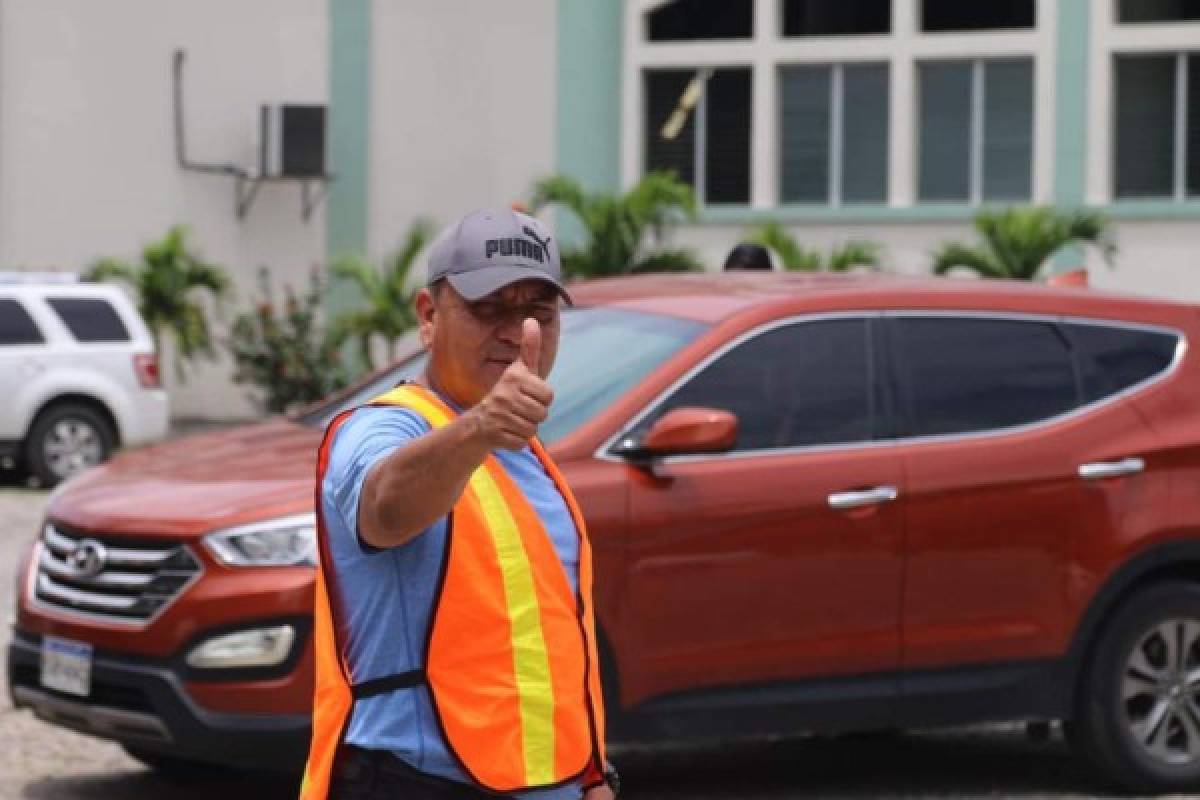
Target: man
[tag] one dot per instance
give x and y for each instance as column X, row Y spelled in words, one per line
column 454, row 635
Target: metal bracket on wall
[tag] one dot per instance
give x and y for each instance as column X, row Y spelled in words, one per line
column 312, row 191
column 246, row 184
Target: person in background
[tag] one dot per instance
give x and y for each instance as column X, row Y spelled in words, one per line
column 748, row 256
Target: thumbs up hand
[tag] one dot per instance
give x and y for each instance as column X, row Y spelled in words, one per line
column 509, row 414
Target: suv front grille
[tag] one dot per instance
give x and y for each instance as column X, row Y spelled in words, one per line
column 115, row 578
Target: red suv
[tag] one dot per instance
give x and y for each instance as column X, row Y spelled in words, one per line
column 816, row 503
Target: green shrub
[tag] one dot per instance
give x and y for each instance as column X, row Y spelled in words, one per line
column 285, row 352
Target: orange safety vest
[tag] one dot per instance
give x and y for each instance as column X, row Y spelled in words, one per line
column 511, row 661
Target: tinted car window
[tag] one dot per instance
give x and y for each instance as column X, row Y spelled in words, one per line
column 1112, row 359
column 965, row 375
column 16, row 326
column 89, row 319
column 799, row 385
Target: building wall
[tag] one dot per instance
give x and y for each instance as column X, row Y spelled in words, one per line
column 462, row 109
column 87, row 162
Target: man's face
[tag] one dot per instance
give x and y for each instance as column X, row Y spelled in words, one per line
column 472, row 343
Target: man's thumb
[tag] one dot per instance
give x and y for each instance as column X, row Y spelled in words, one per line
column 531, row 343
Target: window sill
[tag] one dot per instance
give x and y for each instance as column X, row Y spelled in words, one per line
column 746, row 215
column 1154, row 209
column 924, row 212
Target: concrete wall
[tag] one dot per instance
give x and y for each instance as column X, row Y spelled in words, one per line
column 87, row 163
column 462, row 109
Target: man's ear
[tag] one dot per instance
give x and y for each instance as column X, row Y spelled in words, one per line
column 426, row 307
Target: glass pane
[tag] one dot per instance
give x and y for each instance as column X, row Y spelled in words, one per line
column 956, row 15
column 663, row 89
column 945, row 132
column 833, row 17
column 16, row 326
column 805, row 384
column 1007, row 130
column 865, row 134
column 1112, row 359
column 1193, row 125
column 1145, row 122
column 89, row 319
column 976, row 374
column 1158, row 10
column 727, row 137
column 602, row 353
column 701, row 19
column 804, row 92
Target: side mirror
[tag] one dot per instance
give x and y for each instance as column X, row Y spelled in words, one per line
column 685, row 431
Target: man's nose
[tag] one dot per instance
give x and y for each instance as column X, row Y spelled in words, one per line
column 509, row 329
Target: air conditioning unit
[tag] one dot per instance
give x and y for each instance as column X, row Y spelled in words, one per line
column 292, row 141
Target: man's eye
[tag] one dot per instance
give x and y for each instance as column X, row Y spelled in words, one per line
column 543, row 314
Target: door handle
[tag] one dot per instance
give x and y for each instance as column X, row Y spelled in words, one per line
column 867, row 497
column 1111, row 469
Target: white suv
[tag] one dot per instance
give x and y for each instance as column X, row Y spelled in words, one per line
column 78, row 375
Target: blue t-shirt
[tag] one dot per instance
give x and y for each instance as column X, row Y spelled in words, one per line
column 387, row 595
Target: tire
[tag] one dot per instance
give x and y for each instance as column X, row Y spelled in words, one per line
column 1137, row 721
column 65, row 439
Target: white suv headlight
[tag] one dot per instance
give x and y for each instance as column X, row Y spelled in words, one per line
column 282, row 542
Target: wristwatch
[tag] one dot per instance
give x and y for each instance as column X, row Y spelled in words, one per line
column 612, row 779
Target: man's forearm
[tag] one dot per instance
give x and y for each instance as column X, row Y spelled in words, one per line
column 418, row 484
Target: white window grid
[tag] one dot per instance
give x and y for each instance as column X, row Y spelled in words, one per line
column 901, row 50
column 1108, row 41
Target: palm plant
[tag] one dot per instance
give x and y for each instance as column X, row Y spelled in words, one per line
column 617, row 225
column 1017, row 242
column 795, row 257
column 388, row 311
column 166, row 282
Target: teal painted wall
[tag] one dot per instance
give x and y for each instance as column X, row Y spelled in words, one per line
column 1070, row 115
column 588, row 95
column 349, row 116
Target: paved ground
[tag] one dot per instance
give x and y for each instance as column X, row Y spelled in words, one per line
column 40, row 762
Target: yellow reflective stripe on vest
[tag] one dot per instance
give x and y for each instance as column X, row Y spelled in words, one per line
column 530, row 656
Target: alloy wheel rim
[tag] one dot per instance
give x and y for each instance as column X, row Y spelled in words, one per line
column 71, row 446
column 1160, row 692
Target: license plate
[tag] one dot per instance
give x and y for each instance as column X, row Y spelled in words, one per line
column 67, row 665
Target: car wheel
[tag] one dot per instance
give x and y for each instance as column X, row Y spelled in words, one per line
column 66, row 439
column 1138, row 717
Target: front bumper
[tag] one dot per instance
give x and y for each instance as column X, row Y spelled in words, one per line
column 145, row 704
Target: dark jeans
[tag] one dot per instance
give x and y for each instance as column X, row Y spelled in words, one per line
column 360, row 774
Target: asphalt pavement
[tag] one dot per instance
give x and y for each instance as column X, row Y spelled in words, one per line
column 42, row 762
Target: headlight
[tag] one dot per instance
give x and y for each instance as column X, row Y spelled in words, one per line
column 283, row 542
column 259, row 647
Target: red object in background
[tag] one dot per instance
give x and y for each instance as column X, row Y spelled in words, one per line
column 1076, row 277
column 909, row 579
column 145, row 365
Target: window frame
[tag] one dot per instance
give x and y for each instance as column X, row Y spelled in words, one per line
column 896, row 375
column 700, row 123
column 902, row 49
column 835, row 158
column 977, row 134
column 884, row 399
column 1179, row 189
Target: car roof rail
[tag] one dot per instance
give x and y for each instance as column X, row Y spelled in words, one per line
column 38, row 278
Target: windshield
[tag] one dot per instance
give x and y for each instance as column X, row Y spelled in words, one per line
column 602, row 353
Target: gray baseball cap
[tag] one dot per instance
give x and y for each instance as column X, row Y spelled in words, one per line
column 490, row 248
